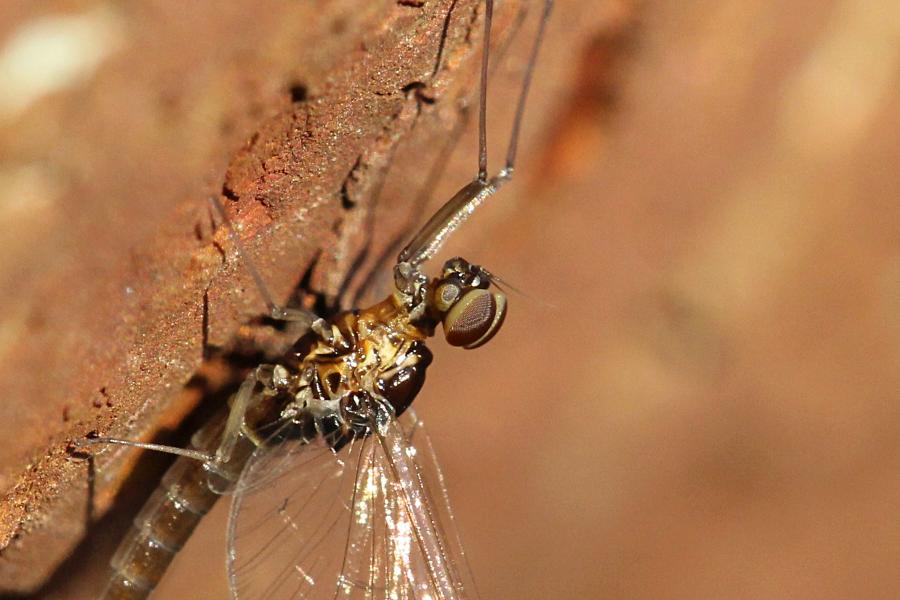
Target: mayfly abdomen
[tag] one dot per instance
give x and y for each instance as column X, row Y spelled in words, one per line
column 187, row 492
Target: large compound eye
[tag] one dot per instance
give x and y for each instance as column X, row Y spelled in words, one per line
column 475, row 318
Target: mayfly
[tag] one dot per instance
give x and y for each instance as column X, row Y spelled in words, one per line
column 328, row 483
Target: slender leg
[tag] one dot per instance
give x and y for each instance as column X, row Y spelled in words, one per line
column 94, row 441
column 526, row 84
column 276, row 311
column 241, row 401
column 482, row 94
column 449, row 217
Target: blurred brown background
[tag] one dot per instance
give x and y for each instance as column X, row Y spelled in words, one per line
column 698, row 398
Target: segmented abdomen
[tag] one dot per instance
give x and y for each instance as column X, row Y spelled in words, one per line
column 170, row 515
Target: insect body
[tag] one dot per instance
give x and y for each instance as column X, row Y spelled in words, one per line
column 330, row 497
column 344, row 368
column 345, row 381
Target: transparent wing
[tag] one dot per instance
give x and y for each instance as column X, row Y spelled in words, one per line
column 430, row 472
column 354, row 524
column 284, row 450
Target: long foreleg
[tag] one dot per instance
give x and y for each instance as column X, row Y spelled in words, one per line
column 188, row 491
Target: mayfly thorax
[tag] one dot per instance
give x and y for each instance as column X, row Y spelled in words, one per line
column 331, row 424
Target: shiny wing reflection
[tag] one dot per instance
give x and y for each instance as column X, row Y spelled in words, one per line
column 358, row 523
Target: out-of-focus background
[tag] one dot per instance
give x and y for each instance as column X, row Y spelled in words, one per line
column 698, row 393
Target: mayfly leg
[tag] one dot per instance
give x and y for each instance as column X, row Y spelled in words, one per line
column 276, row 311
column 426, row 243
column 187, row 492
column 243, row 397
column 436, row 170
column 432, row 178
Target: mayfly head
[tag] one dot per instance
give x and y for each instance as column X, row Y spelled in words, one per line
column 460, row 299
column 463, row 301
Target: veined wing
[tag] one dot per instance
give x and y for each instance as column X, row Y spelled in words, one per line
column 359, row 523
